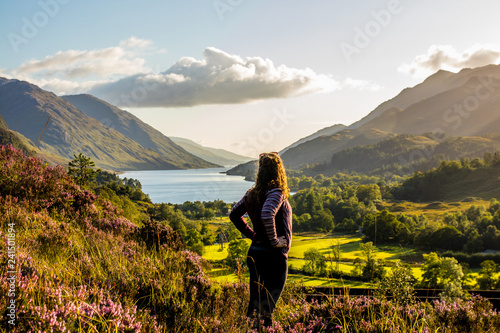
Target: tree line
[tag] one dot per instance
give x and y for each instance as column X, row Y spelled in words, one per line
column 429, row 185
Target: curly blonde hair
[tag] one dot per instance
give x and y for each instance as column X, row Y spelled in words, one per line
column 271, row 174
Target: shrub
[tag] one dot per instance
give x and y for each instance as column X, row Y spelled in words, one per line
column 398, row 284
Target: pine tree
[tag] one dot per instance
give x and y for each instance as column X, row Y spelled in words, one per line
column 81, row 169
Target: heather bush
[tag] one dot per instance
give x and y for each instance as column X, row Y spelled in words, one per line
column 155, row 234
column 363, row 315
column 28, row 179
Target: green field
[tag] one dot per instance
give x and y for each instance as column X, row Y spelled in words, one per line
column 433, row 211
column 349, row 246
column 349, row 250
column 214, row 252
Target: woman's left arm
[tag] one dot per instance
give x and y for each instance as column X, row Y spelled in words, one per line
column 236, row 216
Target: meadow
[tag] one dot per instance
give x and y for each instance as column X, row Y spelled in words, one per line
column 324, row 242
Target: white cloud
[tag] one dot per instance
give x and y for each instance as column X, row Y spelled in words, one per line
column 75, row 64
column 118, row 75
column 220, row 78
column 361, row 85
column 448, row 58
column 136, row 43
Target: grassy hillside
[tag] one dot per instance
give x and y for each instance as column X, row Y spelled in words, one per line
column 321, row 149
column 137, row 130
column 81, row 266
column 322, row 132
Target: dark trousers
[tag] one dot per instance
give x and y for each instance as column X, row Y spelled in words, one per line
column 268, row 273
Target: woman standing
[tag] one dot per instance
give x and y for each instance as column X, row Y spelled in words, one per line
column 266, row 203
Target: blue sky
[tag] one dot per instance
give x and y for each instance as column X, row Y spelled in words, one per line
column 247, row 76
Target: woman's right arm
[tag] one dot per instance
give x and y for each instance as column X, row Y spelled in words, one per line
column 236, row 216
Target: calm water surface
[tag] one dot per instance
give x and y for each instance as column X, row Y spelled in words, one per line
column 179, row 186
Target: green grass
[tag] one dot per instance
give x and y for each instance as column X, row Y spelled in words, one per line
column 216, row 222
column 349, row 246
column 417, row 272
column 313, row 281
column 433, row 211
column 309, row 281
column 226, row 278
column 322, row 242
column 343, row 266
column 214, row 252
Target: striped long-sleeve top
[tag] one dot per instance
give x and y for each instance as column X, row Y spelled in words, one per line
column 270, row 220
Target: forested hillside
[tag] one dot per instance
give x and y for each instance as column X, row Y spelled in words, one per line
column 454, row 180
column 406, row 153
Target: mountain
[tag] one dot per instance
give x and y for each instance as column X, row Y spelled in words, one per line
column 433, row 84
column 64, row 130
column 137, row 130
column 325, row 131
column 213, row 155
column 248, row 170
column 321, row 149
column 459, row 104
column 437, row 83
column 456, row 111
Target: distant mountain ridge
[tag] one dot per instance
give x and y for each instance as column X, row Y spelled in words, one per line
column 437, row 83
column 408, row 96
column 325, row 131
column 213, row 155
column 66, row 130
column 458, row 104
